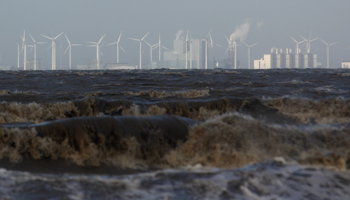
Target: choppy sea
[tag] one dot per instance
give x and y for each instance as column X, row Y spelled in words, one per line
column 175, row 134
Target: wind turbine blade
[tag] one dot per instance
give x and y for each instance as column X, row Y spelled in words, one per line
column 49, row 47
column 122, row 48
column 120, row 36
column 324, row 41
column 245, row 44
column 31, row 49
column 218, row 45
column 333, row 43
column 46, row 37
column 67, row 38
column 91, row 45
column 227, row 39
column 145, row 36
column 41, row 43
column 313, row 39
column 102, row 45
column 303, row 37
column 211, row 41
column 154, row 47
column 31, row 37
column 66, row 50
column 165, row 48
column 293, row 39
column 148, row 44
column 58, row 36
column 227, row 50
column 135, row 39
column 209, row 33
column 92, row 42
column 101, row 38
column 112, row 43
column 253, row 44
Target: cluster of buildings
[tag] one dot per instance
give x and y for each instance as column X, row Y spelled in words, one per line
column 187, row 54
column 277, row 59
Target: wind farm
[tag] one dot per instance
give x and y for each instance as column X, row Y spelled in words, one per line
column 187, row 53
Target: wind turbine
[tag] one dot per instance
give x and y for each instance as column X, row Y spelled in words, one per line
column 118, row 46
column 297, row 50
column 160, row 49
column 70, row 51
column 24, row 48
column 140, row 67
column 98, row 50
column 53, row 47
column 308, row 42
column 328, row 45
column 151, row 47
column 34, row 47
column 249, row 46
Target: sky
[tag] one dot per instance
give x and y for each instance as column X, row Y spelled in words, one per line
column 271, row 23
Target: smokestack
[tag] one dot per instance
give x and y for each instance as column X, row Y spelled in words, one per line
column 290, row 50
column 276, row 50
column 281, row 51
column 271, row 50
column 287, row 51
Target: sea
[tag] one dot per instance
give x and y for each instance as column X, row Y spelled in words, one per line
column 175, row 134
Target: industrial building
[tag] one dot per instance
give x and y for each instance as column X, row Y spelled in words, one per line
column 194, row 51
column 277, row 59
column 345, row 65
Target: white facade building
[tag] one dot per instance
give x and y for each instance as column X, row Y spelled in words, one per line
column 345, row 65
column 278, row 60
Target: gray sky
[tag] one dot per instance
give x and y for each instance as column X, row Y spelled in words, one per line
column 87, row 20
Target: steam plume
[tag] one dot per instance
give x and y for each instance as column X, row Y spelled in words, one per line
column 179, row 34
column 241, row 32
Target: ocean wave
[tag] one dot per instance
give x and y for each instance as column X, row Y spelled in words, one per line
column 122, row 141
column 274, row 179
column 227, row 141
column 165, row 94
column 284, row 110
column 326, row 111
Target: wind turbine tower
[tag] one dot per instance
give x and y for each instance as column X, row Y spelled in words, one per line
column 151, row 47
column 328, row 45
column 160, row 49
column 118, row 46
column 18, row 52
column 24, row 48
column 70, row 51
column 53, row 47
column 141, row 40
column 98, row 50
column 249, row 46
column 34, row 46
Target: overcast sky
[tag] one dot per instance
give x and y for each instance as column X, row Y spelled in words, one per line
column 271, row 23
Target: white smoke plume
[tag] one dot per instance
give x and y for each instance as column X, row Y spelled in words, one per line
column 241, row 32
column 259, row 25
column 179, row 34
